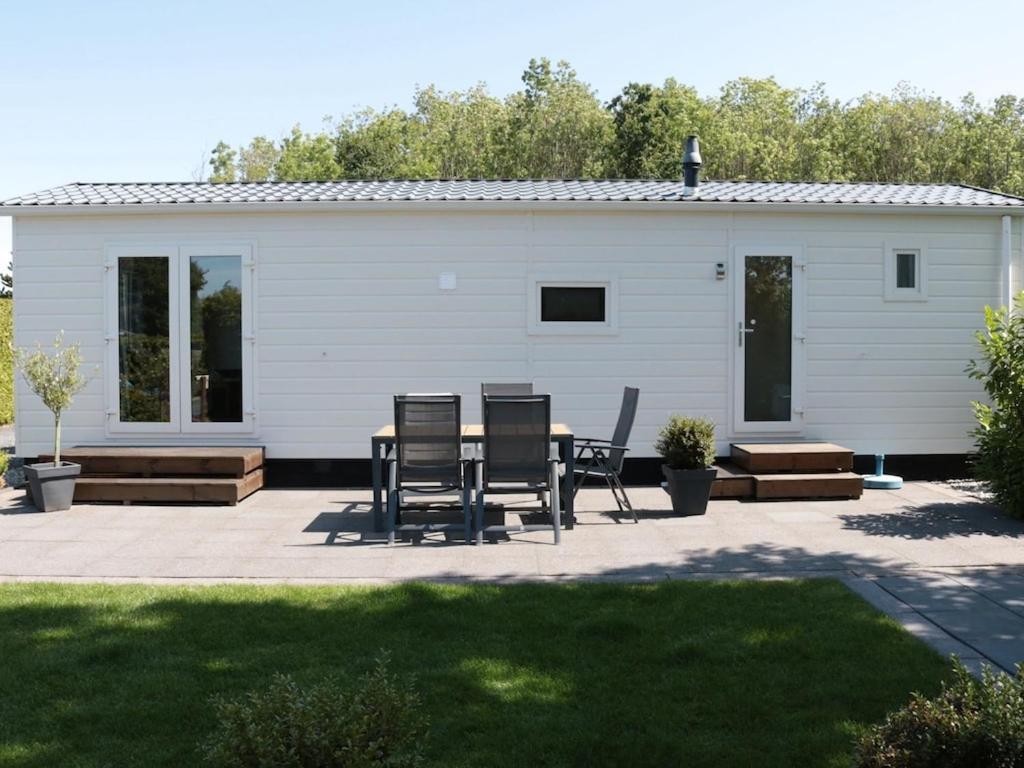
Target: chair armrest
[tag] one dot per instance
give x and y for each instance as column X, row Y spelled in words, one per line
column 606, row 446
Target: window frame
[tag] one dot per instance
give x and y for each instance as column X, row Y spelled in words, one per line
column 537, row 327
column 920, row 290
column 179, row 318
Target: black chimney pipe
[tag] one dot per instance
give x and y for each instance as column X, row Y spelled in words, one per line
column 691, row 163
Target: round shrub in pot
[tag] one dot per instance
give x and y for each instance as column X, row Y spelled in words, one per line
column 688, row 447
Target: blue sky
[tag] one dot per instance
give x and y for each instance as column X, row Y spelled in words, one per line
column 137, row 90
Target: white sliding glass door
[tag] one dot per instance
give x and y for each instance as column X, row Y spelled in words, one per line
column 180, row 340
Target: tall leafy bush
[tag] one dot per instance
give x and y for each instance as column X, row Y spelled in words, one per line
column 6, row 361
column 970, row 723
column 999, row 461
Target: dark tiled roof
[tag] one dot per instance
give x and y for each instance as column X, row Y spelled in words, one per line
column 587, row 190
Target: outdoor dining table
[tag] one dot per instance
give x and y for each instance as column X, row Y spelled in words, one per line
column 472, row 434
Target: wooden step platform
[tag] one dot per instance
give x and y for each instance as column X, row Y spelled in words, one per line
column 791, row 457
column 144, row 490
column 817, row 485
column 732, row 483
column 173, row 474
column 175, row 461
column 767, row 471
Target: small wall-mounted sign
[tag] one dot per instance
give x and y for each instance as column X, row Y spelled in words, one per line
column 720, row 271
column 446, row 282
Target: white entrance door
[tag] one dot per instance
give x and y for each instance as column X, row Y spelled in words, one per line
column 768, row 339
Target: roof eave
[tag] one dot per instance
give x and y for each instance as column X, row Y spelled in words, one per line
column 406, row 206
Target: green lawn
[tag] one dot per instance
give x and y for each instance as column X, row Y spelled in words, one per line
column 669, row 674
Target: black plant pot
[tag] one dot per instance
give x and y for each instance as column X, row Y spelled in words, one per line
column 52, row 485
column 690, row 489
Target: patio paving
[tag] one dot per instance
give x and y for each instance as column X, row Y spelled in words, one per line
column 937, row 557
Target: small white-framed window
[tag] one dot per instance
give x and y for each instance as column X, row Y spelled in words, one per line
column 568, row 306
column 905, row 274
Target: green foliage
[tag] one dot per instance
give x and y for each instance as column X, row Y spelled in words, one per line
column 54, row 377
column 323, row 726
column 687, row 443
column 7, row 282
column 1000, row 432
column 5, row 460
column 6, row 361
column 970, row 723
column 307, row 157
column 222, row 163
column 556, row 126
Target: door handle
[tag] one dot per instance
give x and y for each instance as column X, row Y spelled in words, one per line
column 741, row 332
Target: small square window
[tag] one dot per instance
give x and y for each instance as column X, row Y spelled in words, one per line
column 558, row 304
column 906, row 269
column 905, row 277
column 572, row 304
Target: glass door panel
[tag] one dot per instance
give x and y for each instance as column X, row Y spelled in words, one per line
column 768, row 342
column 144, row 340
column 215, row 339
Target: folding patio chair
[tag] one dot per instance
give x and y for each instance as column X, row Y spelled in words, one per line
column 427, row 459
column 603, row 459
column 517, row 458
column 514, row 388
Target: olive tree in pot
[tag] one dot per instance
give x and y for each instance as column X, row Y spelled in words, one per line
column 688, row 447
column 56, row 379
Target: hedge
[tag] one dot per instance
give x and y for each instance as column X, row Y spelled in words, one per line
column 6, row 361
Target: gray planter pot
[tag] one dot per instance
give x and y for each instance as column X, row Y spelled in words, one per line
column 52, row 486
column 690, row 489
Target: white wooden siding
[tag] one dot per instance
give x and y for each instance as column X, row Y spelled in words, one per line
column 349, row 312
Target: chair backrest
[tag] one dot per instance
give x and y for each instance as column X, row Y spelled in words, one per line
column 428, row 439
column 498, row 388
column 517, row 438
column 627, row 414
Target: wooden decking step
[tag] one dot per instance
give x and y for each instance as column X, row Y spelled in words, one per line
column 175, row 461
column 758, row 458
column 816, row 485
column 732, row 483
column 217, row 490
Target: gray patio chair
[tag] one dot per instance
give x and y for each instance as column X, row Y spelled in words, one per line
column 427, row 459
column 517, row 458
column 603, row 459
column 526, row 388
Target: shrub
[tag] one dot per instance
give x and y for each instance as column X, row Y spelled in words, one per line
column 999, row 436
column 4, row 462
column 286, row 726
column 687, row 443
column 969, row 723
column 6, row 361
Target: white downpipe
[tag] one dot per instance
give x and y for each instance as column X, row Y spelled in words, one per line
column 1006, row 270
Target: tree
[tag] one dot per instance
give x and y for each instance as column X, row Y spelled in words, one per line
column 256, row 162
column 556, row 127
column 306, row 157
column 7, row 282
column 650, row 126
column 222, row 161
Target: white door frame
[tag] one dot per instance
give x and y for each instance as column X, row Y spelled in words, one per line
column 737, row 339
column 179, row 318
column 246, row 426
column 114, row 425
